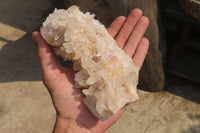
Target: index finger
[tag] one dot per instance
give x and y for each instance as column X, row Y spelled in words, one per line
column 46, row 55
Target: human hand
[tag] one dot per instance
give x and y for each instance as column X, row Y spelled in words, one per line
column 72, row 114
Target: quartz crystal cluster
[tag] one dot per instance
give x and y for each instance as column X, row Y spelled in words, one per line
column 106, row 74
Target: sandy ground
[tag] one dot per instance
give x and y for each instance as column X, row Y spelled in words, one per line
column 26, row 107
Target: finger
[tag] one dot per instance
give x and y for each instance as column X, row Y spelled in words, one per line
column 136, row 35
column 127, row 27
column 116, row 25
column 141, row 51
column 47, row 58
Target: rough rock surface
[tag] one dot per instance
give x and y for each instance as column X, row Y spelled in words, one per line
column 106, row 73
column 107, row 10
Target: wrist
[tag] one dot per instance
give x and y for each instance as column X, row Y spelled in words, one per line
column 63, row 125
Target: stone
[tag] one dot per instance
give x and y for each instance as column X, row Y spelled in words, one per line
column 107, row 75
column 107, row 10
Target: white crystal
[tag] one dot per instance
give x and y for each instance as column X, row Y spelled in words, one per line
column 106, row 73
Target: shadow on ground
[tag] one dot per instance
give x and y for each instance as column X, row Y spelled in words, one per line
column 192, row 129
column 19, row 61
column 183, row 88
column 18, row 57
column 25, row 15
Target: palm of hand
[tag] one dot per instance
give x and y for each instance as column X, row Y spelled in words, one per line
column 59, row 81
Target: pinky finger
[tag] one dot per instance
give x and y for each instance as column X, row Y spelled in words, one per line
column 141, row 51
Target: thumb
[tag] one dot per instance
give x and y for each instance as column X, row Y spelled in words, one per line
column 46, row 55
